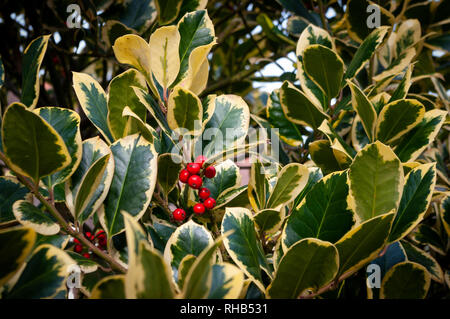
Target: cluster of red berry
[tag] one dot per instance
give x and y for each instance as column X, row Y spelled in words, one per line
column 99, row 239
column 192, row 175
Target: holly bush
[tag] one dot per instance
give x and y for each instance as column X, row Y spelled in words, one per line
column 134, row 188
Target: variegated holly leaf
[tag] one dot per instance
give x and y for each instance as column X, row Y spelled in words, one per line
column 15, row 245
column 94, row 149
column 376, row 181
column 165, row 62
column 323, row 156
column 31, row 216
column 269, row 220
column 31, row 64
column 122, row 95
column 149, row 276
column 416, row 197
column 398, row 118
column 184, row 112
column 188, row 239
column 317, row 61
column 406, row 280
column 227, row 178
column 110, row 287
column 249, row 257
column 365, row 110
column 416, row 141
column 363, row 243
column 298, row 108
column 322, row 214
column 10, row 192
column 67, row 123
column 227, row 282
column 168, row 10
column 32, row 146
column 419, row 256
column 290, row 182
column 93, row 101
column 44, row 275
column 133, row 183
column 312, row 35
column 169, row 167
column 305, row 267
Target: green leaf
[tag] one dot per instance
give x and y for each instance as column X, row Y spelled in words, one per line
column 134, row 234
column 31, row 63
column 426, row 235
column 196, row 31
column 417, row 140
column 269, row 220
column 406, row 280
column 228, row 125
column 113, row 30
column 357, row 15
column 227, row 282
column 318, row 60
column 133, row 183
column 67, row 123
column 188, row 239
column 419, row 256
column 168, row 10
column 44, row 275
column 141, row 127
column 31, row 216
column 397, row 65
column 415, row 200
column 86, row 265
column 93, row 150
column 365, row 110
column 258, row 186
column 322, row 214
column 227, row 178
column 402, row 89
column 322, row 155
column 375, row 180
column 149, row 276
column 363, row 243
column 365, row 51
column 345, row 152
column 160, row 232
column 272, row 32
column 398, row 118
column 111, row 287
column 121, row 95
column 287, row 130
column 169, row 167
column 185, row 265
column 15, row 245
column 93, row 101
column 444, row 213
column 312, row 35
column 305, row 267
column 243, row 244
column 10, row 192
column 290, row 181
column 298, row 108
column 184, row 112
column 89, row 185
column 32, row 146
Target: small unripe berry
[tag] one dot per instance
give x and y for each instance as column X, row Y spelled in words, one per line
column 199, row 208
column 87, row 255
column 210, row 172
column 209, row 203
column 204, row 193
column 184, row 176
column 179, row 214
column 78, row 248
column 200, row 159
column 193, row 168
column 195, row 181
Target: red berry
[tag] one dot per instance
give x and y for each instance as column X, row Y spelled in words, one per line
column 204, row 193
column 78, row 248
column 200, row 159
column 76, row 241
column 209, row 203
column 102, row 242
column 179, row 214
column 210, row 172
column 100, row 231
column 184, row 176
column 101, row 236
column 195, row 181
column 199, row 208
column 193, row 168
column 88, row 234
column 87, row 255
column 92, row 237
